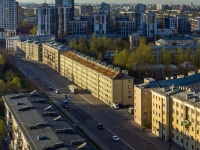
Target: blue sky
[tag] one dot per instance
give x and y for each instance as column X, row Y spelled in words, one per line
column 126, row 1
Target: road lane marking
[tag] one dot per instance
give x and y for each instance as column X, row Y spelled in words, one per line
column 85, row 99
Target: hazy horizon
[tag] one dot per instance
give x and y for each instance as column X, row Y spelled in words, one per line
column 186, row 2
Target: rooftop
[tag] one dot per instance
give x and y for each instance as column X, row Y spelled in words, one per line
column 109, row 72
column 21, row 37
column 32, row 117
column 195, row 78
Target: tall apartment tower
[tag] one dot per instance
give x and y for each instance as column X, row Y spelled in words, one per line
column 46, row 20
column 139, row 10
column 10, row 19
column 66, row 3
column 1, row 19
column 150, row 25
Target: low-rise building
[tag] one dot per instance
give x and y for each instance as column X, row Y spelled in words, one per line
column 134, row 39
column 11, row 42
column 175, row 41
column 30, row 50
column 104, row 82
column 195, row 24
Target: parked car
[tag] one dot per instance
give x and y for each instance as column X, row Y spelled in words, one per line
column 65, row 96
column 115, row 138
column 100, row 126
column 50, row 89
column 57, row 91
column 116, row 105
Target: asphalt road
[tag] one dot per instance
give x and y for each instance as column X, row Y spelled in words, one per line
column 89, row 111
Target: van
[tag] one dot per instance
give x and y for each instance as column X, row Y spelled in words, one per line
column 57, row 91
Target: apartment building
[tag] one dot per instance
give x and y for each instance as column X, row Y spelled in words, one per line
column 86, row 10
column 1, row 19
column 10, row 18
column 175, row 41
column 124, row 26
column 150, row 25
column 11, row 42
column 176, row 116
column 33, row 124
column 101, row 26
column 108, row 84
column 139, row 10
column 195, row 24
column 30, row 50
column 134, row 39
column 142, row 94
column 77, row 27
column 51, row 54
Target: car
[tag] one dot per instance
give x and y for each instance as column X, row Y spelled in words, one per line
column 65, row 96
column 115, row 138
column 57, row 91
column 50, row 89
column 100, row 126
column 116, row 105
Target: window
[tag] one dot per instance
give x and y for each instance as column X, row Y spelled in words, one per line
column 176, row 137
column 197, row 131
column 177, row 121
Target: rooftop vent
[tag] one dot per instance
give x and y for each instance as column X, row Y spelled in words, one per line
column 77, row 142
column 58, row 145
column 17, row 96
column 26, row 108
column 19, row 103
column 64, row 130
column 188, row 96
column 117, row 69
column 38, row 126
column 48, row 108
column 38, row 101
column 59, row 118
column 54, row 113
column 41, row 137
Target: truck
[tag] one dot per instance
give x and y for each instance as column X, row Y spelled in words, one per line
column 65, row 103
column 73, row 89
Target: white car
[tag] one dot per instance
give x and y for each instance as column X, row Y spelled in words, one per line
column 115, row 138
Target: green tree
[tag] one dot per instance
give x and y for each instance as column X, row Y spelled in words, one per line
column 82, row 46
column 9, row 75
column 73, row 44
column 180, row 56
column 2, row 86
column 120, row 58
column 33, row 31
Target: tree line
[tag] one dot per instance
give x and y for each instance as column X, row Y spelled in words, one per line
column 134, row 60
column 97, row 46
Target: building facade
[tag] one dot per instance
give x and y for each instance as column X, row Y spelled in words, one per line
column 150, row 25
column 30, row 50
column 101, row 26
column 107, row 84
column 175, row 116
column 143, row 97
column 86, row 10
column 195, row 24
column 51, row 54
column 77, row 27
column 124, row 26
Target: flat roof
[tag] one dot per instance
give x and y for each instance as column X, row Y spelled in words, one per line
column 113, row 74
column 32, row 117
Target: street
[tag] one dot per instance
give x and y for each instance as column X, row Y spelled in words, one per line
column 87, row 112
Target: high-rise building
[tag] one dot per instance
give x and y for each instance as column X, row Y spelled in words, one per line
column 139, row 10
column 10, row 19
column 150, row 25
column 66, row 3
column 1, row 19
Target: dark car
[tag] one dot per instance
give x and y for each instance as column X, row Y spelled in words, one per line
column 100, row 126
column 121, row 106
column 50, row 89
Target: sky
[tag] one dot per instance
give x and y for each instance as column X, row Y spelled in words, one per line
column 126, row 1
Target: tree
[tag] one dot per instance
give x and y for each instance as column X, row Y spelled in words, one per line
column 9, row 75
column 73, row 44
column 33, row 31
column 120, row 58
column 2, row 86
column 180, row 56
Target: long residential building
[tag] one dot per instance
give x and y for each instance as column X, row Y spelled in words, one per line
column 108, row 84
column 34, row 124
column 176, row 116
